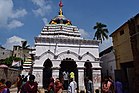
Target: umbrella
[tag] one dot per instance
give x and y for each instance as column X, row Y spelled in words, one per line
column 3, row 66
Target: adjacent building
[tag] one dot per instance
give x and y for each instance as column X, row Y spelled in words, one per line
column 126, row 48
column 60, row 50
column 108, row 62
column 4, row 53
column 27, row 55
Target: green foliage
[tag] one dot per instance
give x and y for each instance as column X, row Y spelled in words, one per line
column 101, row 32
column 8, row 61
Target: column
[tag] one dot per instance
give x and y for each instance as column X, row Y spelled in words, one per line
column 55, row 73
column 38, row 73
column 96, row 79
column 81, row 79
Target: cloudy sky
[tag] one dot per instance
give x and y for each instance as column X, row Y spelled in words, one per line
column 24, row 19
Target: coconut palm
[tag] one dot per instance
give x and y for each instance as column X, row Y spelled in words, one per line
column 101, row 32
column 24, row 47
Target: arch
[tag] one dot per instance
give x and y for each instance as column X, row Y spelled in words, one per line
column 88, row 53
column 47, row 72
column 68, row 52
column 67, row 66
column 47, row 52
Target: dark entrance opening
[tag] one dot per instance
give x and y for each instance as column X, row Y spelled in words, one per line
column 87, row 71
column 47, row 73
column 68, row 65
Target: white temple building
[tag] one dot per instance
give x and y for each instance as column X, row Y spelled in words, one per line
column 60, row 49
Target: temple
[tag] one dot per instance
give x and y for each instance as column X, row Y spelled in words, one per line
column 60, row 50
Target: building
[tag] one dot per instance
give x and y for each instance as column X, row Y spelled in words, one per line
column 4, row 53
column 108, row 62
column 60, row 49
column 126, row 48
column 27, row 55
column 133, row 24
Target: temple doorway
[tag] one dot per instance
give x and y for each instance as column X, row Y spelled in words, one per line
column 87, row 72
column 47, row 73
column 67, row 66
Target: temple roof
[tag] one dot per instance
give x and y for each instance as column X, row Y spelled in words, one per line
column 60, row 19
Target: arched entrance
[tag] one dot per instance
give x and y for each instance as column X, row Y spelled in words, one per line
column 67, row 66
column 87, row 71
column 47, row 72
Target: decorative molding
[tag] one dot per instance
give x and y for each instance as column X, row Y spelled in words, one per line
column 66, row 41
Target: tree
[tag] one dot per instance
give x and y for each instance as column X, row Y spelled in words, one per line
column 8, row 61
column 24, row 45
column 24, row 48
column 101, row 32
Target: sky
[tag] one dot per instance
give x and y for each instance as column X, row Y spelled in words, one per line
column 24, row 19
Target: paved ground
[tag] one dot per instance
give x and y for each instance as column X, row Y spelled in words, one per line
column 14, row 90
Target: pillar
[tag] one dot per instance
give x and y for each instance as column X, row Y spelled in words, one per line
column 55, row 73
column 96, row 79
column 38, row 73
column 81, row 79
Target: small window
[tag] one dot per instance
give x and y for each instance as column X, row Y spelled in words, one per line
column 121, row 32
column 3, row 53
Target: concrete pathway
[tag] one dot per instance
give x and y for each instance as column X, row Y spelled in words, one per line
column 14, row 90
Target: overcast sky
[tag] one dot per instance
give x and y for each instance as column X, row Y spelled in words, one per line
column 24, row 19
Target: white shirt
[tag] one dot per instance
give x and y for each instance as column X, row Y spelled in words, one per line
column 72, row 87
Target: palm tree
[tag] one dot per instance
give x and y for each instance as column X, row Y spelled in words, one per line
column 24, row 47
column 101, row 32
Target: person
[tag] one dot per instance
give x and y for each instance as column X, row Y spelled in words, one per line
column 65, row 77
column 58, row 86
column 105, row 88
column 110, row 84
column 31, row 86
column 19, row 83
column 51, row 86
column 23, row 85
column 72, row 86
column 6, row 89
column 89, row 86
column 2, row 84
column 118, row 86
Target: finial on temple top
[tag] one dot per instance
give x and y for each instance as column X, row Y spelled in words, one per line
column 60, row 5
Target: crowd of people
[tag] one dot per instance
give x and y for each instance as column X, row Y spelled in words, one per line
column 26, row 84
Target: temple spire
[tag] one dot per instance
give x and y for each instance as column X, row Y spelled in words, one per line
column 60, row 5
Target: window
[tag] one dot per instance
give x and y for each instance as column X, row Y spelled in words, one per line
column 121, row 32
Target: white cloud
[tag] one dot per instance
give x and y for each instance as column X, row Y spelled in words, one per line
column 45, row 20
column 6, row 10
column 84, row 33
column 14, row 40
column 105, row 44
column 19, row 13
column 40, row 3
column 8, row 14
column 15, row 24
column 43, row 7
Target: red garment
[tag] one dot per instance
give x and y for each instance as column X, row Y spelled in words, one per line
column 2, row 87
column 51, row 86
column 31, row 87
column 58, row 86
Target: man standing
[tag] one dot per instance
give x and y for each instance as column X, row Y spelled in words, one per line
column 89, row 86
column 72, row 86
column 65, row 77
column 118, row 86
